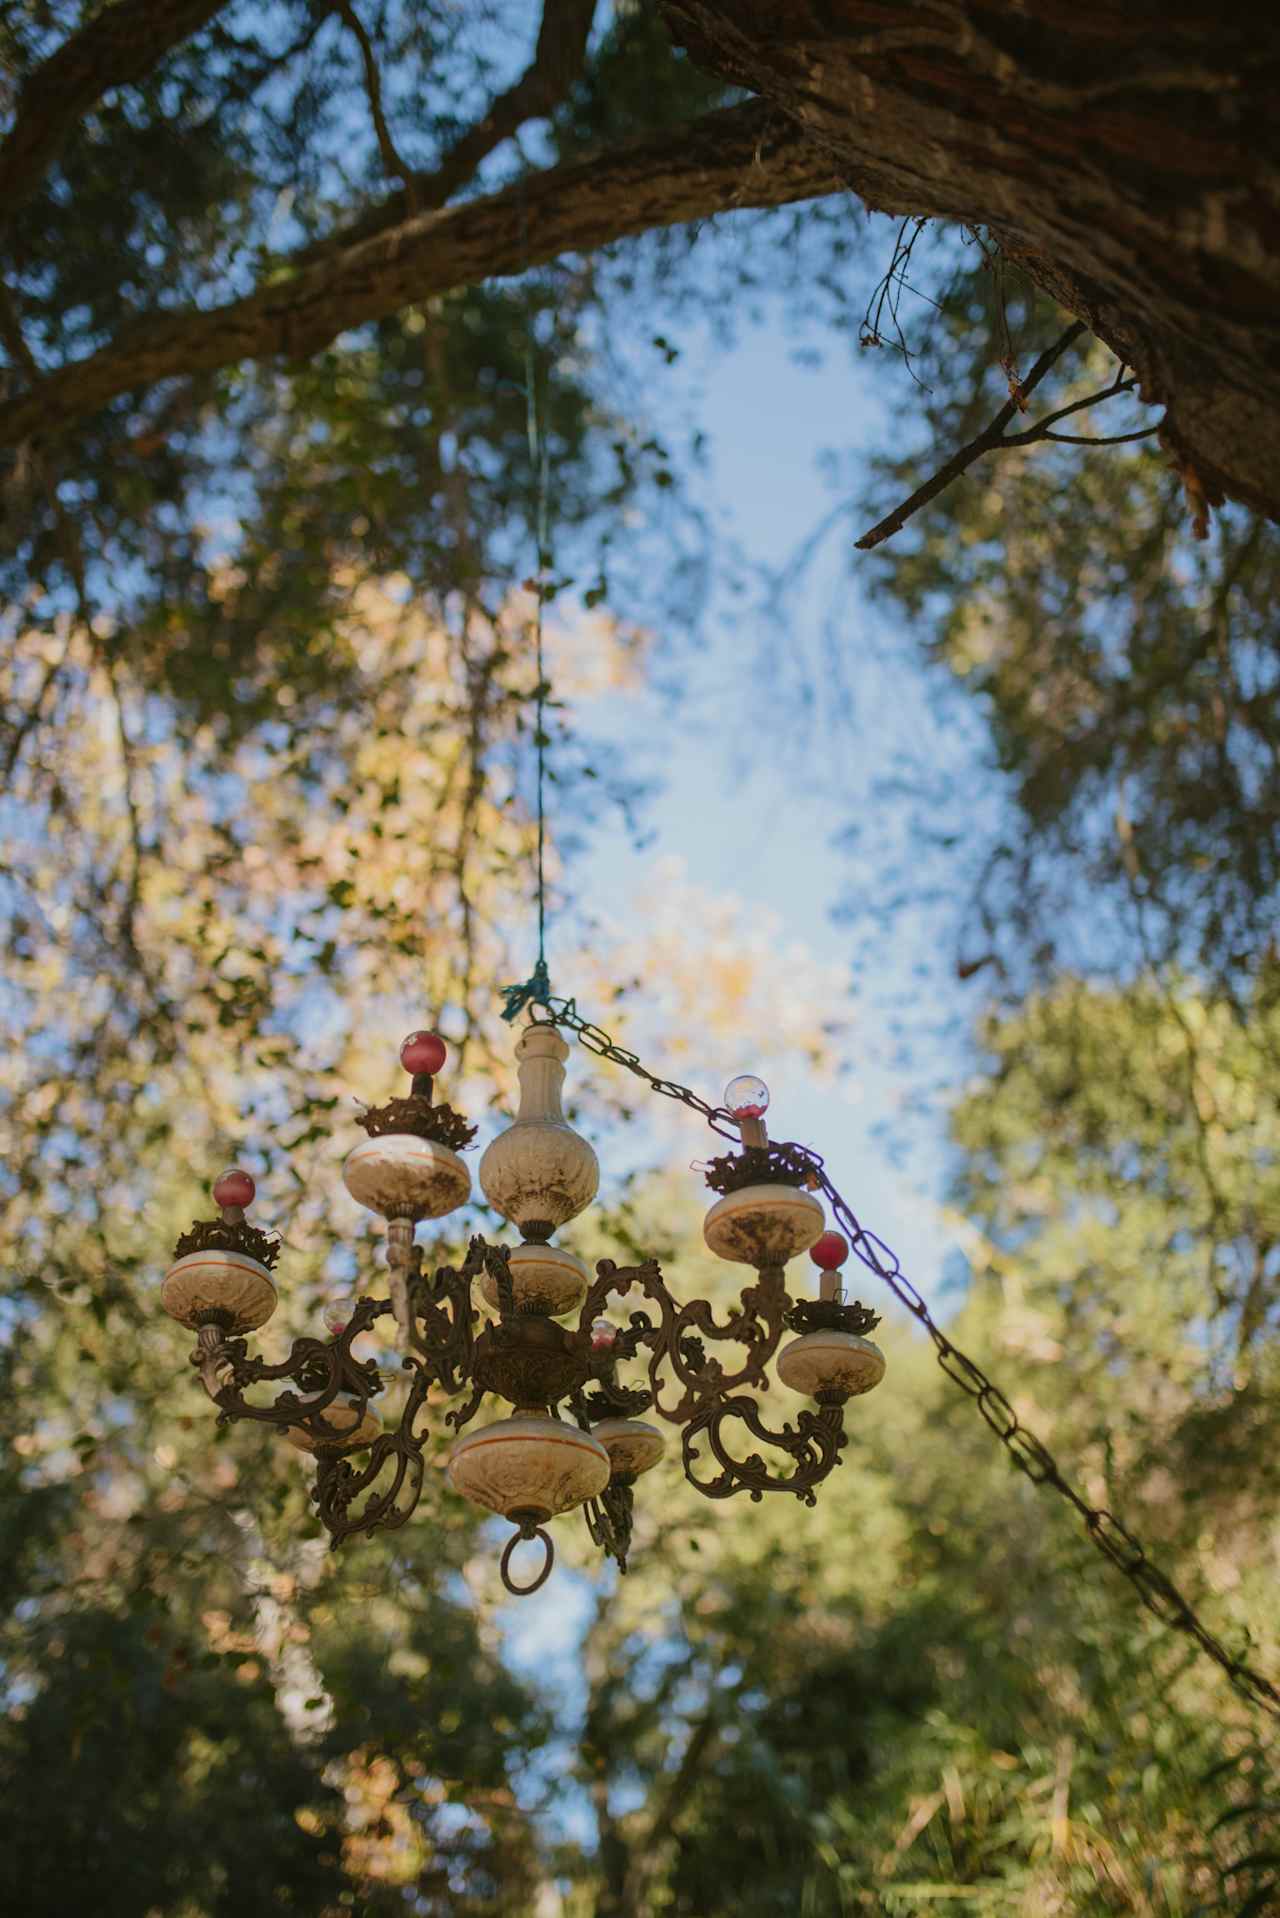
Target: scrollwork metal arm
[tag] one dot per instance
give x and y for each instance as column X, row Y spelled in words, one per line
column 814, row 1443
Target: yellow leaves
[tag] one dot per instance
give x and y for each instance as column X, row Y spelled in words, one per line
column 383, row 1840
column 407, row 1664
column 221, row 1637
column 716, row 970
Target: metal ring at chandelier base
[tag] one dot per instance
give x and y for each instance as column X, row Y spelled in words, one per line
column 527, row 1530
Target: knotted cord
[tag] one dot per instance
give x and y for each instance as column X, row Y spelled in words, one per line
column 536, row 990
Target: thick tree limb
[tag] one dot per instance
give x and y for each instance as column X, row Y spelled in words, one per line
column 1126, row 156
column 121, row 43
column 739, row 157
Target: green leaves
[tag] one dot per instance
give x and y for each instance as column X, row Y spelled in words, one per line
column 1128, row 672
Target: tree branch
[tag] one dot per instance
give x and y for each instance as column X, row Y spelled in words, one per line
column 120, row 44
column 985, row 442
column 737, row 157
column 981, row 114
column 18, row 732
column 1119, row 385
column 557, row 61
column 1089, row 439
column 395, row 166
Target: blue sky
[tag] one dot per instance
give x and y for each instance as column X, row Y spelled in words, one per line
column 751, row 798
column 751, row 802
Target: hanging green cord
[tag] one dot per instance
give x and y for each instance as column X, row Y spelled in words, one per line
column 536, row 990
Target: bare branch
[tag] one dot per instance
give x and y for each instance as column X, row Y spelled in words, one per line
column 120, row 43
column 395, row 166
column 557, row 61
column 738, row 157
column 990, row 437
column 1111, row 439
column 888, row 294
column 1040, row 429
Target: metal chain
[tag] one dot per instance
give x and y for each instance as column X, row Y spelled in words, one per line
column 564, row 1012
column 1112, row 1538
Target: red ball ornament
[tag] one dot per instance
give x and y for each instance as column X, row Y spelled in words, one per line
column 423, row 1052
column 830, row 1251
column 235, row 1187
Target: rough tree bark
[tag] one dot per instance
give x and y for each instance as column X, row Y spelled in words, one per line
column 740, row 157
column 1125, row 152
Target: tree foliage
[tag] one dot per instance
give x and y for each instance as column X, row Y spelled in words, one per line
column 268, row 689
column 1126, row 672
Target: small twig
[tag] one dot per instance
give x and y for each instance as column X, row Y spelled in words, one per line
column 35, row 712
column 991, row 437
column 391, row 159
column 1112, row 439
column 1038, row 431
column 889, row 293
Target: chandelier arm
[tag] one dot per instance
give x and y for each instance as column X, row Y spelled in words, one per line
column 322, row 1369
column 814, row 1443
column 757, row 1323
column 463, row 1414
column 339, row 1483
column 611, row 1280
column 211, row 1359
column 444, row 1316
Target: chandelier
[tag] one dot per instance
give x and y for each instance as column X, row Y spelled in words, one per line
column 527, row 1323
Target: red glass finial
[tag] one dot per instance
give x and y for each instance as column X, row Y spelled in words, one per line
column 235, row 1187
column 830, row 1251
column 423, row 1052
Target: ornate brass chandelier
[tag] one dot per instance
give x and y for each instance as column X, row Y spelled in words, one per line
column 496, row 1324
column 526, row 1323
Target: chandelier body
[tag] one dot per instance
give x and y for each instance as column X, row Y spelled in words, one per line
column 526, row 1324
